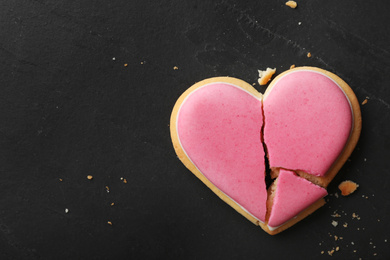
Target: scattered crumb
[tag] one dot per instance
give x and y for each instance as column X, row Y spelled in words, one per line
column 125, row 64
column 347, row 187
column 374, row 254
column 265, row 75
column 336, row 195
column 66, row 210
column 340, row 238
column 331, row 252
column 335, row 215
column 109, row 223
column 336, row 238
column 121, row 178
column 308, row 54
column 60, row 179
column 299, row 23
column 253, row 84
column 334, row 223
column 175, row 68
column 124, row 181
column 292, row 66
column 365, row 159
column 322, row 252
column 354, row 251
column 385, row 240
column 345, row 224
column 365, row 101
column 352, row 243
column 292, row 4
column 379, row 220
column 354, row 215
column 337, row 248
column 89, row 177
column 112, row 203
column 113, row 58
column 108, row 189
column 142, row 62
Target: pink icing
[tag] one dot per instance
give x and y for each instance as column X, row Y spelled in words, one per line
column 219, row 128
column 308, row 121
column 293, row 194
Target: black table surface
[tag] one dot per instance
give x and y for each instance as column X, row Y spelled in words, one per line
column 87, row 88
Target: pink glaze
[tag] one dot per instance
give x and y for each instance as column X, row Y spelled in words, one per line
column 308, row 121
column 293, row 195
column 219, row 128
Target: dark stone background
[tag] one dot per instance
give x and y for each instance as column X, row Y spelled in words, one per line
column 69, row 110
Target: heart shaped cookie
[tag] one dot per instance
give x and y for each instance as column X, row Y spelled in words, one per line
column 306, row 124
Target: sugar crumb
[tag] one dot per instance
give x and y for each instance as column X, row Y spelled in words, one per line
column 334, row 223
column 322, row 252
column 66, row 210
column 113, row 58
column 107, row 189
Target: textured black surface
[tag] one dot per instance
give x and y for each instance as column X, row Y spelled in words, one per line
column 69, row 110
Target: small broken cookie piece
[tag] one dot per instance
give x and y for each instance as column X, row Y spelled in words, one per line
column 347, row 187
column 292, row 4
column 265, row 75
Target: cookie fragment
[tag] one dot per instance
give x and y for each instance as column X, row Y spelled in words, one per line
column 347, row 187
column 292, row 4
column 265, row 75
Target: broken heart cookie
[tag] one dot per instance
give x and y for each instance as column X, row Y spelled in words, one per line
column 306, row 125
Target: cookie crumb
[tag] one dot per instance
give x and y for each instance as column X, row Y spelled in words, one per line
column 109, row 223
column 331, row 252
column 292, row 66
column 107, row 189
column 348, row 187
column 60, row 179
column 345, row 224
column 337, row 248
column 308, row 54
column 124, row 181
column 322, row 252
column 265, row 75
column 89, row 177
column 334, row 223
column 354, row 215
column 365, row 101
column 292, row 4
column 336, row 238
column 175, row 68
column 112, row 204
